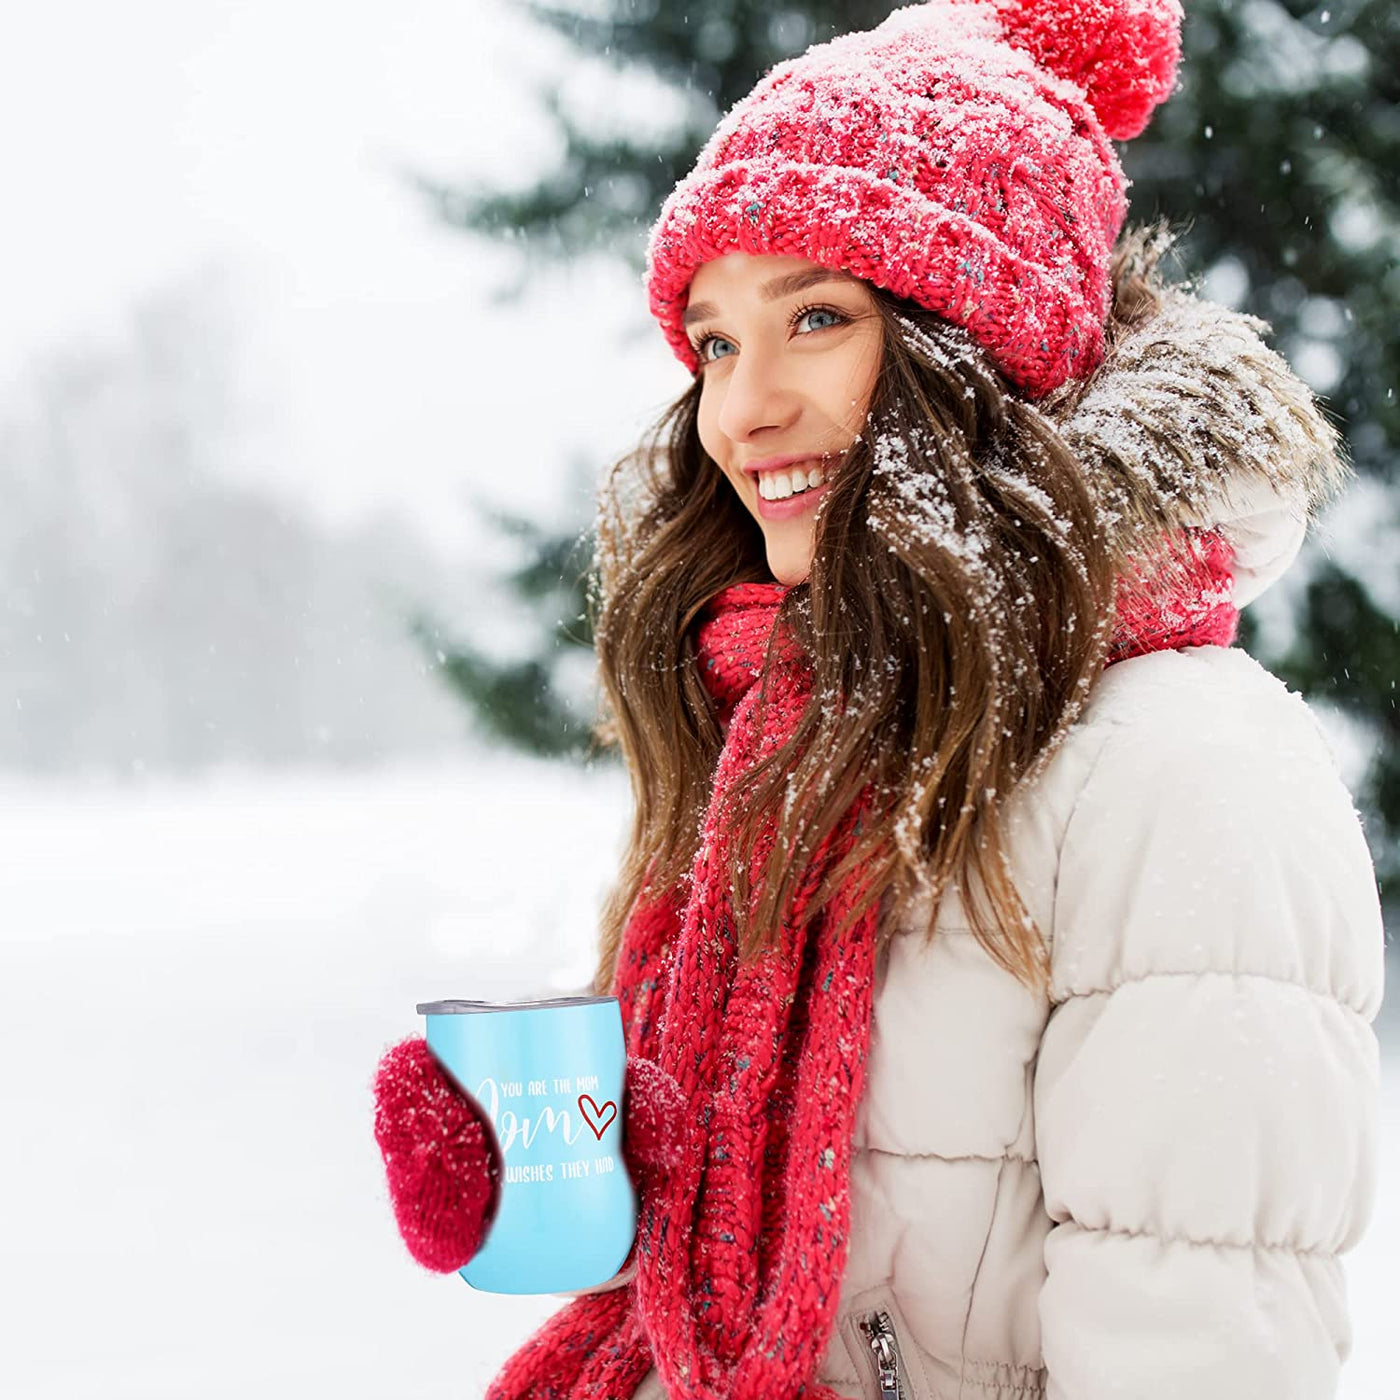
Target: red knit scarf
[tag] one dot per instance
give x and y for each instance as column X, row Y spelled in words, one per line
column 741, row 1250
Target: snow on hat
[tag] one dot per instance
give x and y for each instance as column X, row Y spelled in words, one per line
column 958, row 155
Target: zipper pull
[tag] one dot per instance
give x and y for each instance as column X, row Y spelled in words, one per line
column 880, row 1332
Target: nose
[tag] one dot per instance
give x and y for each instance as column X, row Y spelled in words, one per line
column 757, row 395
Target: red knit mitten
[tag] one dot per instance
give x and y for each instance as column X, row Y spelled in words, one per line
column 441, row 1154
column 658, row 1128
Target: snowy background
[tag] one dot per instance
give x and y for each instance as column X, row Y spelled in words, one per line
column 235, row 346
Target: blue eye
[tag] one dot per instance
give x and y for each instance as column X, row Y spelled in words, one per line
column 841, row 317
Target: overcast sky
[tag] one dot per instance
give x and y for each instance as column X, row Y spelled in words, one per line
column 142, row 142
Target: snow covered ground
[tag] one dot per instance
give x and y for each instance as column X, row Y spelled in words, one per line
column 196, row 981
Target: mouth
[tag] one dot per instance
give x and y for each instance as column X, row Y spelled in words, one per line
column 790, row 490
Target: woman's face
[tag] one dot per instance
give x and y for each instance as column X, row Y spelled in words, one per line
column 789, row 352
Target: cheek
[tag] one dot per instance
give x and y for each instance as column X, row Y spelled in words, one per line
column 710, row 438
column 841, row 389
column 705, row 427
column 860, row 386
column 852, row 381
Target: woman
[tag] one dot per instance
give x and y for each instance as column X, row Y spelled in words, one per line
column 997, row 946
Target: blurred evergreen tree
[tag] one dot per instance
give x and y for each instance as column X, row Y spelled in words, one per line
column 521, row 701
column 1279, row 154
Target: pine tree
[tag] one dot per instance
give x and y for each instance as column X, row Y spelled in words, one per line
column 1279, row 155
column 521, row 701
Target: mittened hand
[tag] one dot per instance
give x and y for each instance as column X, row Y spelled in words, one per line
column 443, row 1160
column 657, row 1127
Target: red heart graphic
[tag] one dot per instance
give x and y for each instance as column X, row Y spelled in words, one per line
column 610, row 1108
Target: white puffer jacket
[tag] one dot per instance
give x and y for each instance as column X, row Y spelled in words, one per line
column 1140, row 1189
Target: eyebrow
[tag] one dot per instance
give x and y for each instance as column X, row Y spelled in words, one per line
column 788, row 285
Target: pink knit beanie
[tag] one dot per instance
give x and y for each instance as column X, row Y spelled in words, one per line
column 958, row 155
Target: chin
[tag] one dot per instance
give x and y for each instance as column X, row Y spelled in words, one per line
column 789, row 571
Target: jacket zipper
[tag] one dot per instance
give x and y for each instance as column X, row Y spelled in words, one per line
column 879, row 1331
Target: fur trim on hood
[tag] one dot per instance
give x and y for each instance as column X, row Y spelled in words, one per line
column 1193, row 422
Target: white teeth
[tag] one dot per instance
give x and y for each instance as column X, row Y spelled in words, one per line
column 778, row 486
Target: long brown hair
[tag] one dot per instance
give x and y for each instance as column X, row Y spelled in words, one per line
column 959, row 604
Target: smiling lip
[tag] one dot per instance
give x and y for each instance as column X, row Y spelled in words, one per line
column 792, row 505
column 768, row 464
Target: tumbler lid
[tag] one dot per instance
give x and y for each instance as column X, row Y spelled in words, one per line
column 462, row 1006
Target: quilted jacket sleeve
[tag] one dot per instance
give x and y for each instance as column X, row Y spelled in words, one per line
column 1206, row 1090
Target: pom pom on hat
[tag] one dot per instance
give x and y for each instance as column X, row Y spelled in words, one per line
column 1123, row 53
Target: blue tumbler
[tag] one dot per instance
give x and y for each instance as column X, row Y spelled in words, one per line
column 549, row 1075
